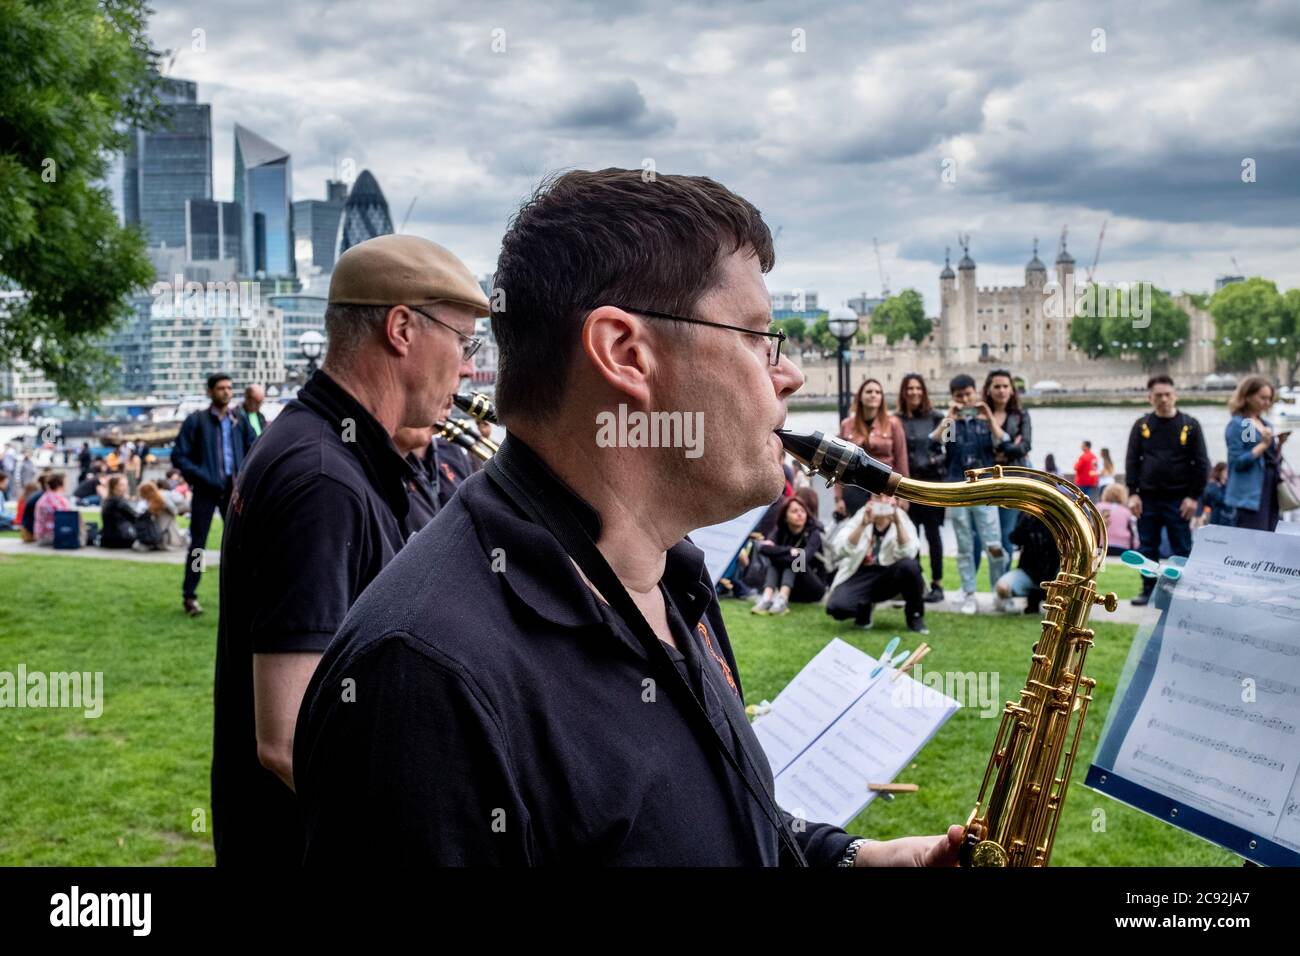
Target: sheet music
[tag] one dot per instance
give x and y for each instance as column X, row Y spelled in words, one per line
column 875, row 739
column 1219, row 728
column 821, row 692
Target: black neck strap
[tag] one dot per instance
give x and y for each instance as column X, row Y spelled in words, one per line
column 547, row 508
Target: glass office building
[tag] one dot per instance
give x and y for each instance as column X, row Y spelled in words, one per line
column 365, row 214
column 165, row 167
column 299, row 314
column 263, row 191
column 212, row 230
column 316, row 227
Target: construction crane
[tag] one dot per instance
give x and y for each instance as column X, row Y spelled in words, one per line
column 1097, row 255
column 402, row 227
column 884, row 279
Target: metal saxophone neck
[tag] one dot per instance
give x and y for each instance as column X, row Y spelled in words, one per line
column 457, row 434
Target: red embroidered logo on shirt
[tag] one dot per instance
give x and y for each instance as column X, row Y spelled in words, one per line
column 726, row 671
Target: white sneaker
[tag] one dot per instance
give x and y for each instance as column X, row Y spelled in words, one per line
column 1006, row 605
column 762, row 607
column 780, row 605
column 969, row 605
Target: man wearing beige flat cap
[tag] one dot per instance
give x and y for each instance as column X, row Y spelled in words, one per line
column 320, row 506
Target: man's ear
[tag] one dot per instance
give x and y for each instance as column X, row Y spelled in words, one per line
column 618, row 346
column 399, row 329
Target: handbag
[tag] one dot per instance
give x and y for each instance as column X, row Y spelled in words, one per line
column 1288, row 489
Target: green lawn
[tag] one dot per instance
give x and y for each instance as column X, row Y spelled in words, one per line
column 122, row 789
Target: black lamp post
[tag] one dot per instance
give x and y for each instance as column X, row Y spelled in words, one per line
column 312, row 344
column 844, row 325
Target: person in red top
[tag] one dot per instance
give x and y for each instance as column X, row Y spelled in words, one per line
column 52, row 501
column 1085, row 471
column 879, row 434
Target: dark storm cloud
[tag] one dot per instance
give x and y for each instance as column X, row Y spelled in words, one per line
column 616, row 107
column 837, row 121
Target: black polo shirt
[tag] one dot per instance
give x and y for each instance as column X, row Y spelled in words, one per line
column 481, row 706
column 319, row 507
column 421, row 493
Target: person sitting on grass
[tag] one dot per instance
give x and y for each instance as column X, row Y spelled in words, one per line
column 118, row 516
column 1211, row 508
column 876, row 558
column 53, row 500
column 92, row 489
column 1039, row 561
column 26, row 520
column 795, row 564
column 162, row 512
column 1121, row 525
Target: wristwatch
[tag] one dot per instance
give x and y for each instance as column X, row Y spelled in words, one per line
column 851, row 852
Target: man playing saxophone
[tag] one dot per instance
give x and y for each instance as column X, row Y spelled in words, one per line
column 579, row 703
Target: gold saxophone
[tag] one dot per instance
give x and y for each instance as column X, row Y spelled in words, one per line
column 1024, row 788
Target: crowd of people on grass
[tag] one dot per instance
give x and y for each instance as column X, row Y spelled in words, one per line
column 872, row 552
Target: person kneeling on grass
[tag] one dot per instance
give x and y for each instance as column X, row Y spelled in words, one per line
column 794, row 571
column 156, row 528
column 875, row 555
column 1039, row 561
column 118, row 516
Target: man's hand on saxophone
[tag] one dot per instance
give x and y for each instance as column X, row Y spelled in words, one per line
column 913, row 850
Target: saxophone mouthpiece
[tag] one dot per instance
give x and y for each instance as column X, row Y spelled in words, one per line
column 837, row 460
column 477, row 405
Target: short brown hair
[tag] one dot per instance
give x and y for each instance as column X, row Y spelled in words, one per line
column 609, row 237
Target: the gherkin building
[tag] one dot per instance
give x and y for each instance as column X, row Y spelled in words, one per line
column 365, row 214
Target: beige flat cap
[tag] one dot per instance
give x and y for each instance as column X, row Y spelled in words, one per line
column 403, row 270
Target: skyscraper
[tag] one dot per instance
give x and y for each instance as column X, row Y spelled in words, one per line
column 365, row 214
column 316, row 227
column 163, row 168
column 263, row 190
column 212, row 230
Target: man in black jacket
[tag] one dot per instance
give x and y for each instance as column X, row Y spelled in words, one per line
column 208, row 451
column 1166, row 469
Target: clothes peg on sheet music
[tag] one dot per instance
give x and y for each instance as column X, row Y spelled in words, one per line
column 885, row 657
column 1172, row 569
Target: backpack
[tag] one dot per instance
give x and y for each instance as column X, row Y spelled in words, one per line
column 146, row 531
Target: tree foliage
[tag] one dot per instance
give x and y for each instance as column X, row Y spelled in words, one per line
column 901, row 316
column 77, row 74
column 1144, row 323
column 1254, row 322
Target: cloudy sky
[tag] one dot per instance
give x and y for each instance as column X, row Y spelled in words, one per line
column 837, row 121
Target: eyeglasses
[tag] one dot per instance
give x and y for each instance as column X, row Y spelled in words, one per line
column 773, row 349
column 469, row 344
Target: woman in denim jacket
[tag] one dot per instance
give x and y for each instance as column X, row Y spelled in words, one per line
column 1254, row 455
